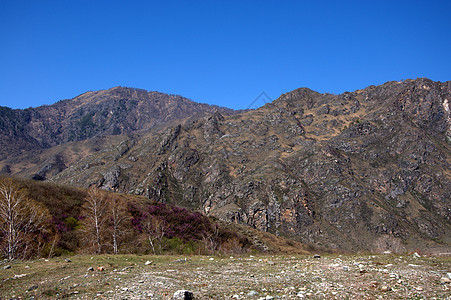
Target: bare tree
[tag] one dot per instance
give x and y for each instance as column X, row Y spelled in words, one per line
column 20, row 219
column 117, row 215
column 211, row 240
column 95, row 213
column 155, row 228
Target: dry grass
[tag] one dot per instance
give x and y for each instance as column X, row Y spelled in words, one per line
column 287, row 277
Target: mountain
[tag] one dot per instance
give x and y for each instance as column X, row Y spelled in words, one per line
column 96, row 117
column 365, row 170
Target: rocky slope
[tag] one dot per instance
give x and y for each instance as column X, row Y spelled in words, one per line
column 365, row 170
column 95, row 117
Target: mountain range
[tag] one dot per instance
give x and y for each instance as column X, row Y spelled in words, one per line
column 367, row 170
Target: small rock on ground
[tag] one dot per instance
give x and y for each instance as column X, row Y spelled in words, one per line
column 31, row 288
column 183, row 295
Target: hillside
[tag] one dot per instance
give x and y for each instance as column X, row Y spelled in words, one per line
column 365, row 170
column 84, row 125
column 128, row 224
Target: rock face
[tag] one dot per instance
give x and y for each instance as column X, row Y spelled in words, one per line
column 113, row 112
column 365, row 170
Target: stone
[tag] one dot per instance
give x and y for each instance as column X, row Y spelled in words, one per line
column 448, row 275
column 385, row 288
column 252, row 294
column 300, row 294
column 445, row 280
column 33, row 287
column 183, row 295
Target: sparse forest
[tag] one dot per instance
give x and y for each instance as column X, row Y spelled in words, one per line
column 23, row 222
column 44, row 220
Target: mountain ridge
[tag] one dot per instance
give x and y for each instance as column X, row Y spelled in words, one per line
column 364, row 170
column 116, row 111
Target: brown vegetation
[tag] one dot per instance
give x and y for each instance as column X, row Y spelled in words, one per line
column 53, row 220
column 23, row 222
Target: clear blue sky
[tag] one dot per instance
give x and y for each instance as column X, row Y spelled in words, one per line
column 218, row 52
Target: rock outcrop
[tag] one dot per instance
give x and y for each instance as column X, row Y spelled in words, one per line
column 92, row 116
column 365, row 170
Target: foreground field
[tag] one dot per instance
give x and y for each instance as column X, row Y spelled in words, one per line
column 245, row 277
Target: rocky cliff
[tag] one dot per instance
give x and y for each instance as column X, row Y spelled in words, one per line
column 364, row 170
column 97, row 118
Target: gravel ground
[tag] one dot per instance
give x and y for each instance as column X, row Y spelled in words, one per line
column 243, row 277
column 276, row 277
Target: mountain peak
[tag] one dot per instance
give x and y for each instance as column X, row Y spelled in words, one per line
column 119, row 110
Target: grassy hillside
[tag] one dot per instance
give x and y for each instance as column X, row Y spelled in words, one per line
column 138, row 225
